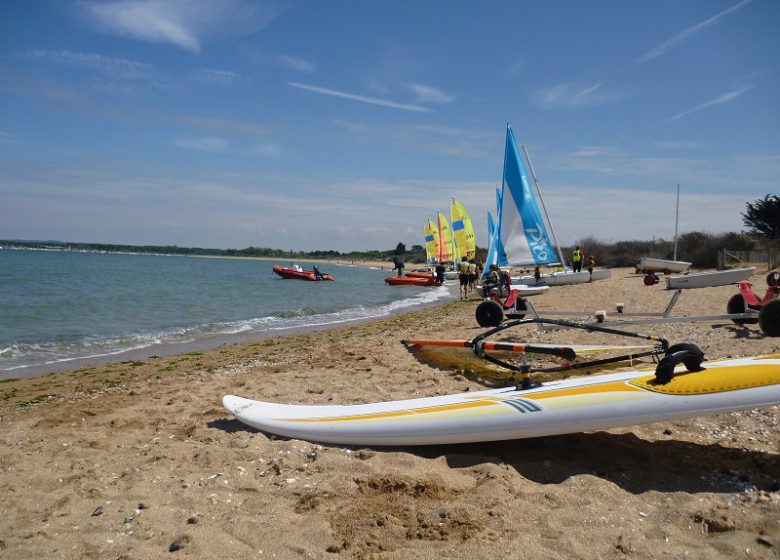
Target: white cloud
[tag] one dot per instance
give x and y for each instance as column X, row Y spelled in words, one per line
column 6, row 138
column 688, row 33
column 725, row 98
column 296, row 63
column 575, row 94
column 361, row 98
column 429, row 94
column 182, row 23
column 266, row 150
column 203, row 144
column 218, row 77
column 115, row 67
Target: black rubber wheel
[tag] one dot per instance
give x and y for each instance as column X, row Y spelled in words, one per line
column 520, row 305
column 650, row 280
column 489, row 314
column 773, row 279
column 737, row 305
column 769, row 318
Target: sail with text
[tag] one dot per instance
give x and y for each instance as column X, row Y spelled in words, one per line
column 462, row 231
column 444, row 253
column 521, row 229
column 431, row 241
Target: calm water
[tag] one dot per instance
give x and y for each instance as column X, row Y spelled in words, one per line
column 60, row 309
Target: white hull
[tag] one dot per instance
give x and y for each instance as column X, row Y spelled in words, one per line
column 557, row 407
column 565, row 278
column 650, row 264
column 708, row 278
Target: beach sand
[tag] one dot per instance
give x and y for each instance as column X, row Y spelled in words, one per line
column 138, row 460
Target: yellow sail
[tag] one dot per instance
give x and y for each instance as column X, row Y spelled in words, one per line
column 431, row 241
column 444, row 253
column 462, row 231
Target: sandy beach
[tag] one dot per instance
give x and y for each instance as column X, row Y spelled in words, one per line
column 138, row 460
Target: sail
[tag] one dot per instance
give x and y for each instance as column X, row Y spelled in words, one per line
column 444, row 253
column 521, row 230
column 431, row 241
column 462, row 231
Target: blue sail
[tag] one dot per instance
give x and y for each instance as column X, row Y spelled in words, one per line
column 521, row 229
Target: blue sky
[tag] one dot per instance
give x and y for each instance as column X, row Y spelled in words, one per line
column 345, row 124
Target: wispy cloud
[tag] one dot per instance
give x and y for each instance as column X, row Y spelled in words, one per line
column 361, row 98
column 182, row 23
column 273, row 151
column 296, row 63
column 688, row 33
column 725, row 98
column 575, row 94
column 218, row 77
column 429, row 94
column 6, row 138
column 203, row 144
column 115, row 67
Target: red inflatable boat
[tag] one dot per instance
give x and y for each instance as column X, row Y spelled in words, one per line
column 295, row 274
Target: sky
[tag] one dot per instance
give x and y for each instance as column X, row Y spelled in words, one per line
column 345, row 125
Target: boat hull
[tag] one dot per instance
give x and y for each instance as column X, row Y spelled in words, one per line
column 410, row 281
column 557, row 407
column 293, row 274
column 650, row 264
column 565, row 278
column 708, row 279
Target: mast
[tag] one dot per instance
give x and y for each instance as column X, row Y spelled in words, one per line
column 676, row 221
column 544, row 208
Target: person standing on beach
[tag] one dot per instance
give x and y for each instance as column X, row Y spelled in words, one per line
column 472, row 275
column 576, row 258
column 463, row 277
column 591, row 263
column 398, row 265
column 537, row 274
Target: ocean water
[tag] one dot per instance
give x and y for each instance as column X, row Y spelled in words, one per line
column 60, row 310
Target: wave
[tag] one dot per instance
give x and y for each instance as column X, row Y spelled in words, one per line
column 19, row 356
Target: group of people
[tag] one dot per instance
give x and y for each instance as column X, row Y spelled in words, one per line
column 468, row 273
column 578, row 256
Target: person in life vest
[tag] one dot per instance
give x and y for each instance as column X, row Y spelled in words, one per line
column 472, row 275
column 576, row 258
column 463, row 277
column 590, row 264
column 492, row 280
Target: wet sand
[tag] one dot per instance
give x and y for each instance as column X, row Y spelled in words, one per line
column 137, row 458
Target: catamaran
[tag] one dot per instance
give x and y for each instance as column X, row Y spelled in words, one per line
column 519, row 236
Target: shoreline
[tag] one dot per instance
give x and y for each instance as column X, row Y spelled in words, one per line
column 126, row 459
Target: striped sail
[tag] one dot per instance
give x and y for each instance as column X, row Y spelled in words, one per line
column 444, row 253
column 431, row 241
column 462, row 231
column 521, row 229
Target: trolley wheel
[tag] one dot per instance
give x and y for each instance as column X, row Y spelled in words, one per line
column 737, row 305
column 769, row 318
column 773, row 279
column 489, row 314
column 650, row 279
column 520, row 305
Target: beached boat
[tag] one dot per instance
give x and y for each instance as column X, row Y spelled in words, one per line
column 462, row 231
column 708, row 278
column 292, row 273
column 651, row 264
column 407, row 280
column 556, row 407
column 519, row 237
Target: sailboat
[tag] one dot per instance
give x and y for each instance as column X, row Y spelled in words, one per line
column 520, row 231
column 462, row 231
column 444, row 252
column 431, row 241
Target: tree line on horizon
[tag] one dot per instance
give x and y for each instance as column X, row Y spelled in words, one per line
column 761, row 218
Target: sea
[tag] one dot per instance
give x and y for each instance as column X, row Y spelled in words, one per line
column 63, row 310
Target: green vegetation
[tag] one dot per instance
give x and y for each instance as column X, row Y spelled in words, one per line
column 761, row 218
